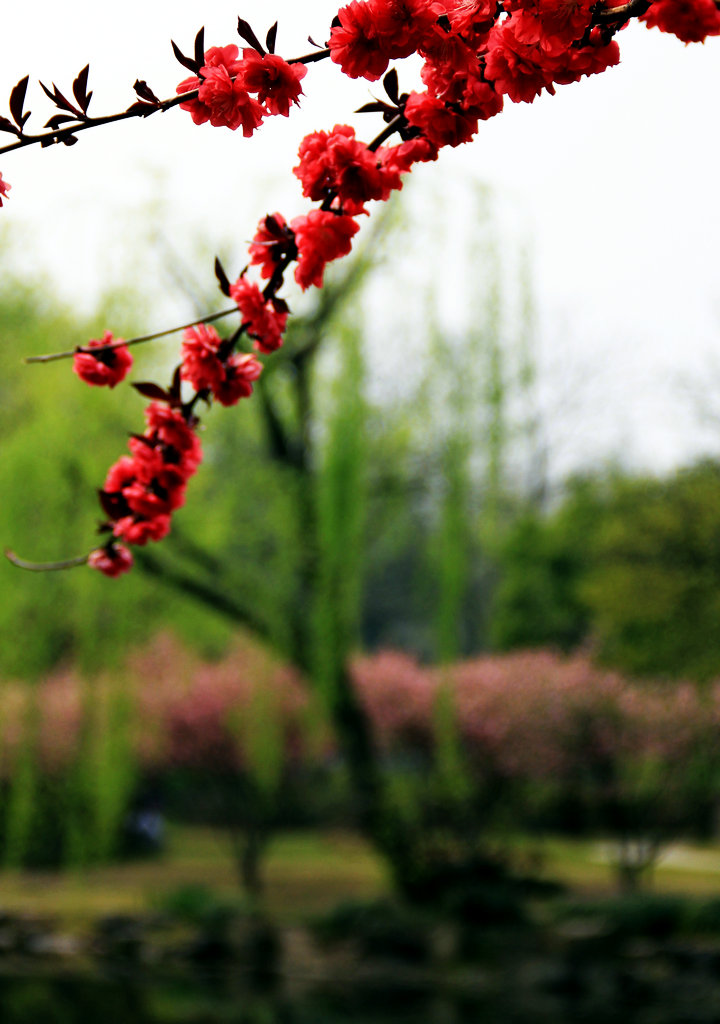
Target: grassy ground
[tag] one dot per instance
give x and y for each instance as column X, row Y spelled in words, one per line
column 306, row 872
column 309, row 872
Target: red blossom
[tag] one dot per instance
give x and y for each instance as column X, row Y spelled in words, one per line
column 5, row 187
column 241, row 371
column 517, row 69
column 355, row 44
column 216, row 56
column 403, row 156
column 121, row 474
column 170, row 428
column 336, row 164
column 105, row 367
column 465, row 88
column 139, row 531
column 148, row 460
column 201, row 366
column 471, row 19
column 112, row 561
column 553, row 24
column 273, row 242
column 315, row 167
column 228, row 379
column 690, row 20
column 276, row 82
column 159, row 496
column 586, row 60
column 265, row 324
column 228, row 101
column 438, row 122
column 321, row 237
column 445, row 73
column 404, row 26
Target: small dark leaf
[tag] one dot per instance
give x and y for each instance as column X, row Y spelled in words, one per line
column 69, row 140
column 271, row 37
column 7, row 126
column 59, row 119
column 47, row 92
column 145, row 92
column 390, row 81
column 246, row 33
column 174, row 392
column 186, row 62
column 147, row 441
column 150, row 390
column 222, row 277
column 200, row 48
column 141, row 109
column 80, row 89
column 59, row 100
column 17, row 100
column 373, row 108
column 313, row 43
column 335, row 23
column 280, row 305
column 111, row 505
column 279, row 233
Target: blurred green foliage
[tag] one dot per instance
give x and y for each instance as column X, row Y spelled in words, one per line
column 628, row 563
column 58, row 438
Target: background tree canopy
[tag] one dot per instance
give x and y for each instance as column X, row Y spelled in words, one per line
column 629, row 563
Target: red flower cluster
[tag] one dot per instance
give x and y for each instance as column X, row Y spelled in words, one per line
column 225, row 85
column 471, row 57
column 370, row 35
column 112, row 560
column 142, row 490
column 473, row 53
column 439, row 123
column 4, row 189
column 335, row 166
column 320, row 237
column 204, row 364
column 523, row 69
column 106, row 366
column 690, row 20
column 264, row 319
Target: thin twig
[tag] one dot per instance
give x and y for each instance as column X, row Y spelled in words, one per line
column 385, row 134
column 310, row 58
column 59, row 134
column 51, row 357
column 624, row 12
column 68, row 563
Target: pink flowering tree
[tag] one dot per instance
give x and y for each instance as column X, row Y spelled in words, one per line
column 230, row 738
column 634, row 764
column 474, row 55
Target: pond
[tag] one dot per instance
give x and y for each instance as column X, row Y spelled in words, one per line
column 599, row 996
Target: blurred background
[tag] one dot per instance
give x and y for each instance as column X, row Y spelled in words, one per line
column 415, row 714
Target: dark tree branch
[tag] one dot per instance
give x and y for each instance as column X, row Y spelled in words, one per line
column 282, row 448
column 143, row 108
column 206, row 593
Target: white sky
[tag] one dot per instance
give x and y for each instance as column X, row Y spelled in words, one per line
column 613, row 182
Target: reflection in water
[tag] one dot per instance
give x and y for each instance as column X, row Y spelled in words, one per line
column 608, row 998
